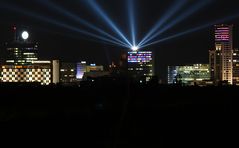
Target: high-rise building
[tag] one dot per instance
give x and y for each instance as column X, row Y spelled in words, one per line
column 21, row 51
column 221, row 59
column 141, row 65
column 188, row 74
column 236, row 67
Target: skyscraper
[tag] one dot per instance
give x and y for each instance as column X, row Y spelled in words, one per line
column 236, row 67
column 140, row 65
column 21, row 51
column 220, row 58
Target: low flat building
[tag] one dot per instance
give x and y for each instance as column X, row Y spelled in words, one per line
column 189, row 74
column 40, row 72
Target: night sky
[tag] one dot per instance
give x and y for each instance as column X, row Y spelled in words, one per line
column 56, row 42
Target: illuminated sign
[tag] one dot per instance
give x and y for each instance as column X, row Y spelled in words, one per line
column 222, row 34
column 140, row 57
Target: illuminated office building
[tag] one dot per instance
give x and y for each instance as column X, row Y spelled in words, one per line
column 67, row 72
column 94, row 68
column 94, row 71
column 188, row 74
column 236, row 67
column 220, row 58
column 21, row 51
column 39, row 72
column 74, row 72
column 140, row 65
column 43, row 72
column 22, row 64
column 172, row 73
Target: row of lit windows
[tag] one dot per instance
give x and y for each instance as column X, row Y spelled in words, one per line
column 27, row 75
column 69, row 76
column 25, row 79
column 65, row 70
column 47, row 82
column 42, row 78
column 26, row 70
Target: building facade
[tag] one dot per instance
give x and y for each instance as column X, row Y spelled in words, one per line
column 56, row 71
column 236, row 67
column 172, row 74
column 221, row 58
column 81, row 69
column 67, row 72
column 188, row 74
column 40, row 72
column 22, row 65
column 141, row 65
column 21, row 53
column 94, row 68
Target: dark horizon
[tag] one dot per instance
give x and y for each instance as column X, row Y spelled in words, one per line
column 59, row 43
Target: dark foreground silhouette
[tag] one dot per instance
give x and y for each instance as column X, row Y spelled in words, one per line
column 118, row 114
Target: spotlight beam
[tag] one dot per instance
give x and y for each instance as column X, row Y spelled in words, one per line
column 71, row 36
column 93, row 4
column 192, row 30
column 78, row 19
column 131, row 14
column 177, row 5
column 179, row 19
column 57, row 23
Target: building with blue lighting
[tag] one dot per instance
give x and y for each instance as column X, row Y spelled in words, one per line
column 189, row 74
column 80, row 70
column 75, row 72
column 141, row 65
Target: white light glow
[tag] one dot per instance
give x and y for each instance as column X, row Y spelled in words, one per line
column 135, row 48
column 25, row 35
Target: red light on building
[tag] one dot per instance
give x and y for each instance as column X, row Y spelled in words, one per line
column 14, row 28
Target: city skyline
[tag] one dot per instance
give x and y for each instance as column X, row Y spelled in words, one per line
column 223, row 63
column 119, row 73
column 181, row 50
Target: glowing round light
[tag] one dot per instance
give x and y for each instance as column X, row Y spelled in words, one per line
column 135, row 48
column 25, row 35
